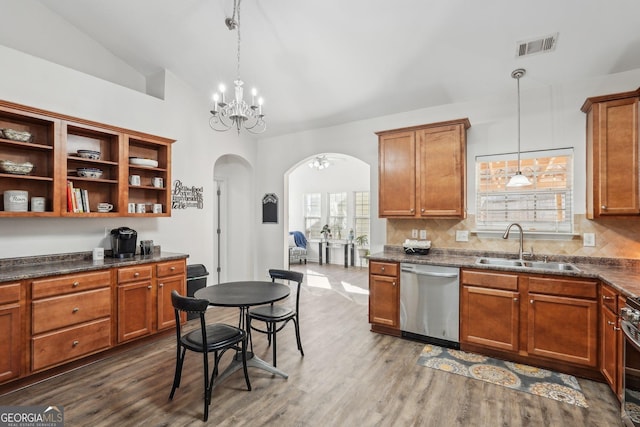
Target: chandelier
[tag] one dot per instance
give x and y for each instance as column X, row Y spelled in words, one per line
column 319, row 162
column 237, row 113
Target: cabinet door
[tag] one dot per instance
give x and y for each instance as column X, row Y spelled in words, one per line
column 135, row 316
column 441, row 171
column 489, row 317
column 610, row 335
column 397, row 179
column 10, row 342
column 384, row 301
column 614, row 139
column 166, row 316
column 563, row 328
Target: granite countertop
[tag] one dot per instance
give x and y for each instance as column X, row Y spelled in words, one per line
column 621, row 274
column 13, row 269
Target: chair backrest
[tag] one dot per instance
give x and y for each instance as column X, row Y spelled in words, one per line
column 293, row 276
column 188, row 305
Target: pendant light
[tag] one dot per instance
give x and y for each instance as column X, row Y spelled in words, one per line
column 518, row 180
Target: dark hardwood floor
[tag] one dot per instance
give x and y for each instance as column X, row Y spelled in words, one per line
column 349, row 376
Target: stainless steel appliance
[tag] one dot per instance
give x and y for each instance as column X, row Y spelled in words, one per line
column 123, row 242
column 429, row 303
column 630, row 321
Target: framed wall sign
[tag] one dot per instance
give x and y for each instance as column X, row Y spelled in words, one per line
column 270, row 209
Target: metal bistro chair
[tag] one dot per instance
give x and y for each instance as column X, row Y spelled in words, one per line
column 277, row 316
column 216, row 338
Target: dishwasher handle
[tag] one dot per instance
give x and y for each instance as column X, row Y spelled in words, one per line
column 429, row 273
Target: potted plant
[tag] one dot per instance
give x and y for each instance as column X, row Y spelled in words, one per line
column 325, row 231
column 361, row 242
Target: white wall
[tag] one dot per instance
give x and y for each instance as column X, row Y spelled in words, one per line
column 182, row 115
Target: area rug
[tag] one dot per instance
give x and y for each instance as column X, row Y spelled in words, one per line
column 529, row 379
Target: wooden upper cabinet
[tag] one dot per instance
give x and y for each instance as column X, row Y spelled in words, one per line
column 422, row 171
column 612, row 155
column 397, row 177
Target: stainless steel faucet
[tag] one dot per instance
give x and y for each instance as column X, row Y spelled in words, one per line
column 506, row 236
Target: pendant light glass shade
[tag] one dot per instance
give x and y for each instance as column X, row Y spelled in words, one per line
column 518, row 180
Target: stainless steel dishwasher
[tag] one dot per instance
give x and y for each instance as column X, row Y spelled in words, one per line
column 429, row 303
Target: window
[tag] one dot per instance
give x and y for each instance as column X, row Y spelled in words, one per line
column 361, row 213
column 338, row 214
column 313, row 214
column 544, row 206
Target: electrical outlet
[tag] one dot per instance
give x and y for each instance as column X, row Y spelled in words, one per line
column 462, row 235
column 414, row 233
column 589, row 239
column 423, row 234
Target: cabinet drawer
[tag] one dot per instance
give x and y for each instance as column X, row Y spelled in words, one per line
column 70, row 283
column 383, row 268
column 57, row 347
column 130, row 274
column 564, row 287
column 490, row 280
column 610, row 298
column 171, row 268
column 57, row 312
column 9, row 293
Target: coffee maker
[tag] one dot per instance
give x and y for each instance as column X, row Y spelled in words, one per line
column 123, row 242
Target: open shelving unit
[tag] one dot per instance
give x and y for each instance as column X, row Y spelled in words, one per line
column 53, row 150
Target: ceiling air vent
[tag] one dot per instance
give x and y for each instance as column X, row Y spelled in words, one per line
column 537, row 45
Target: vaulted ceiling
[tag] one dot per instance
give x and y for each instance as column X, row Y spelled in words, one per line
column 319, row 63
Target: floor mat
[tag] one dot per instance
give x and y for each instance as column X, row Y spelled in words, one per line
column 529, row 379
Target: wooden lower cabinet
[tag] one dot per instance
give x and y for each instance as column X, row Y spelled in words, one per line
column 50, row 321
column 611, row 338
column 70, row 317
column 544, row 317
column 10, row 321
column 490, row 317
column 135, row 315
column 384, row 296
column 144, row 298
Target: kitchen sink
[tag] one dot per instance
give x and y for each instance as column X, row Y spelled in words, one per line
column 534, row 265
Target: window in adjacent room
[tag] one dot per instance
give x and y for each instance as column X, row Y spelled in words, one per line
column 338, row 215
column 313, row 214
column 544, row 206
column 361, row 213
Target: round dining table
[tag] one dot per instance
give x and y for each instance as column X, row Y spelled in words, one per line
column 245, row 294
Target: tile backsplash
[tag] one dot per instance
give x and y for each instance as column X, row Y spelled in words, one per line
column 614, row 237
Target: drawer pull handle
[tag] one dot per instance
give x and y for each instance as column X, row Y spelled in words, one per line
column 394, row 283
column 149, row 287
column 610, row 323
column 604, row 207
column 606, row 298
column 161, row 285
column 172, row 268
column 531, row 301
column 515, row 299
column 75, row 309
column 75, row 343
column 75, row 284
column 382, row 268
column 136, row 274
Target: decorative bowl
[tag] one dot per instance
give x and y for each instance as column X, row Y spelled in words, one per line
column 89, row 154
column 139, row 161
column 17, row 135
column 8, row 166
column 89, row 172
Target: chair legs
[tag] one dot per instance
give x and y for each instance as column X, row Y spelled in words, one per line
column 297, row 326
column 178, row 374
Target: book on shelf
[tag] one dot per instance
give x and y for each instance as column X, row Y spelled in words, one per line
column 85, row 201
column 69, row 196
column 78, row 206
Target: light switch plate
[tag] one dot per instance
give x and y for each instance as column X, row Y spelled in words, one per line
column 589, row 239
column 462, row 235
column 423, row 234
column 414, row 233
